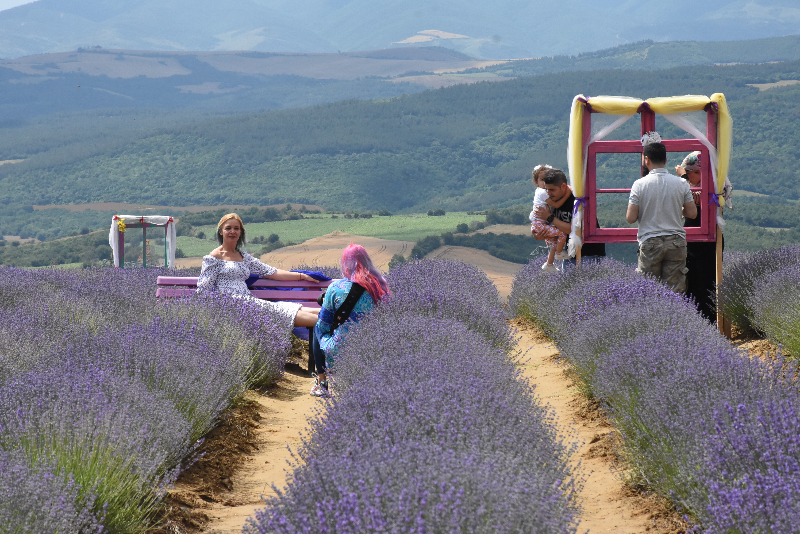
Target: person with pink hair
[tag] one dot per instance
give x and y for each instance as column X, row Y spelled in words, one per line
column 361, row 289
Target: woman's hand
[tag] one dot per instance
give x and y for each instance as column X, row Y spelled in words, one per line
column 308, row 278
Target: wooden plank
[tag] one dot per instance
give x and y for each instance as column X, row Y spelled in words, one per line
column 169, row 292
column 177, row 281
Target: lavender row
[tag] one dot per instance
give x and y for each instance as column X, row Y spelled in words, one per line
column 742, row 273
column 702, row 423
column 431, row 428
column 774, row 306
column 106, row 392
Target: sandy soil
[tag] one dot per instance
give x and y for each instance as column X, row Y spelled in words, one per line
column 608, row 505
column 285, row 411
column 327, row 250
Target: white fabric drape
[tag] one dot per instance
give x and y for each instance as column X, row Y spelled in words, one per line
column 155, row 220
column 689, row 123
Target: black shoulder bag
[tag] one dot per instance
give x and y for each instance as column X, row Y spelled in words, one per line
column 343, row 312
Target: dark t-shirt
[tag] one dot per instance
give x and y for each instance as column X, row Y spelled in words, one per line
column 564, row 213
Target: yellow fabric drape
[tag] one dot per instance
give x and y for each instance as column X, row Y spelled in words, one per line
column 575, row 146
column 724, row 139
column 624, row 105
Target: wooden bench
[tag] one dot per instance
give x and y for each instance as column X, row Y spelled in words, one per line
column 299, row 291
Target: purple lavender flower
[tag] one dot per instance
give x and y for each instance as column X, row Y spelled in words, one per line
column 424, row 435
column 450, row 289
column 702, row 422
column 115, row 387
column 774, row 306
column 741, row 272
column 35, row 497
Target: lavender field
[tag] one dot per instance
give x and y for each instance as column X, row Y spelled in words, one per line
column 105, row 393
column 761, row 292
column 431, row 428
column 703, row 423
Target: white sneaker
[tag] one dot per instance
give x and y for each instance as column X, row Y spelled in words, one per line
column 549, row 267
column 562, row 255
column 320, row 389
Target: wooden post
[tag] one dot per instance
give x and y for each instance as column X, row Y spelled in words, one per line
column 144, row 245
column 166, row 254
column 121, row 248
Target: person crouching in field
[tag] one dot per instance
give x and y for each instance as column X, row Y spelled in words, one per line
column 346, row 301
column 543, row 224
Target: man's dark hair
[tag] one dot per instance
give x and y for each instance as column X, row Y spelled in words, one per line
column 657, row 153
column 555, row 177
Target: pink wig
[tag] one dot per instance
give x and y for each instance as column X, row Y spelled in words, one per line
column 358, row 267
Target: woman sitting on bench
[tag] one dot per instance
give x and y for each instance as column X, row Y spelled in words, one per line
column 346, row 301
column 227, row 268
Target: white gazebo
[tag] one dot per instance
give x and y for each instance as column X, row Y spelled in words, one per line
column 122, row 223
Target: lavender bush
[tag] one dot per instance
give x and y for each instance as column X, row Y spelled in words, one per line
column 115, row 388
column 105, row 429
column 702, row 423
column 36, row 498
column 774, row 306
column 766, row 499
column 742, row 272
column 428, row 441
column 450, row 289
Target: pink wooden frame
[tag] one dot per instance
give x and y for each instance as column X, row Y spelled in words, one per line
column 707, row 230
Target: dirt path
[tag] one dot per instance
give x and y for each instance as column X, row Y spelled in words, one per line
column 608, row 505
column 284, row 410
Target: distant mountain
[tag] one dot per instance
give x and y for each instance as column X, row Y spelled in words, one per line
column 224, row 82
column 499, row 29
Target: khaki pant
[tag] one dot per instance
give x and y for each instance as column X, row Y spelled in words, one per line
column 664, row 257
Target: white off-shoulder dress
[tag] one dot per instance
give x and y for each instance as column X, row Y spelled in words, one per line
column 230, row 277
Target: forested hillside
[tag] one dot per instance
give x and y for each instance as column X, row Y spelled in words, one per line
column 464, row 147
column 460, row 148
column 650, row 55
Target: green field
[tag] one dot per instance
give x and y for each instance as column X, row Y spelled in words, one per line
column 399, row 227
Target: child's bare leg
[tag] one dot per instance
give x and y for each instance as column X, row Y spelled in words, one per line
column 558, row 248
column 551, row 256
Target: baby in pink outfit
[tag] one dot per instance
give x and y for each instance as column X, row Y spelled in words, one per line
column 555, row 238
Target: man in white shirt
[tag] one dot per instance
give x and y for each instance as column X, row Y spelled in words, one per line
column 659, row 201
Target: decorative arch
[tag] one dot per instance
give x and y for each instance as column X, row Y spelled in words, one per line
column 714, row 143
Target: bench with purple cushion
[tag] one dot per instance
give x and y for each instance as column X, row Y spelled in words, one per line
column 300, row 291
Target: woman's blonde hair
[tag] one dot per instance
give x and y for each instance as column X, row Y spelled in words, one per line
column 223, row 220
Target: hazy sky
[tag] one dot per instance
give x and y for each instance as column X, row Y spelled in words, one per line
column 8, row 4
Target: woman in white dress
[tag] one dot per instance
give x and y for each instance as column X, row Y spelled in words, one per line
column 227, row 268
